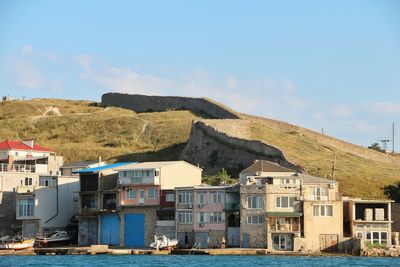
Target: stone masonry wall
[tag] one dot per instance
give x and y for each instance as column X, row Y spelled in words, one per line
column 144, row 103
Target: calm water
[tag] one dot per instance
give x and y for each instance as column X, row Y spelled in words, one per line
column 192, row 260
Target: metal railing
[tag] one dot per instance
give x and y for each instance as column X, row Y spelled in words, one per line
column 17, row 168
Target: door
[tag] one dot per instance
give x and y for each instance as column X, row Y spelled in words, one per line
column 282, row 242
column 233, row 236
column 245, row 241
column 109, row 230
column 134, row 230
column 141, row 196
column 201, row 239
column 30, row 229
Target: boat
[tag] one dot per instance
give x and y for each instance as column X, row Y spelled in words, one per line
column 18, row 244
column 56, row 238
column 164, row 243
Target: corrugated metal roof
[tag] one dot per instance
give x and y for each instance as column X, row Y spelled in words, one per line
column 104, row 167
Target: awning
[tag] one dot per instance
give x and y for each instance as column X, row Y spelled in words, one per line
column 284, row 214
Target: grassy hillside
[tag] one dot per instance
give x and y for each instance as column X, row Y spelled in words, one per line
column 79, row 130
column 358, row 176
column 82, row 130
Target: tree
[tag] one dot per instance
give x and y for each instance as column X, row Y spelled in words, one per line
column 222, row 177
column 377, row 147
column 393, row 191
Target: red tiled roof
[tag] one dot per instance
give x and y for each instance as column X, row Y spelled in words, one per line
column 7, row 145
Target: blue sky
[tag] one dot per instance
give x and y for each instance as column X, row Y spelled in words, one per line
column 319, row 64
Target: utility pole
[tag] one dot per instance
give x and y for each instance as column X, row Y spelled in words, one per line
column 392, row 138
column 334, row 167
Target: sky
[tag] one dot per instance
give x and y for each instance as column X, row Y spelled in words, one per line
column 331, row 65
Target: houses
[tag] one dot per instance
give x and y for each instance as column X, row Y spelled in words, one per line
column 140, row 188
column 98, row 218
column 284, row 210
column 368, row 220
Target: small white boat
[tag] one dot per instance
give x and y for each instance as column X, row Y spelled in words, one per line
column 18, row 245
column 57, row 237
column 164, row 243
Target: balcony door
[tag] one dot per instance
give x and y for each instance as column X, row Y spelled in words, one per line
column 141, row 196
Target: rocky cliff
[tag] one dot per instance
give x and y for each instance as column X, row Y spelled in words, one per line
column 213, row 150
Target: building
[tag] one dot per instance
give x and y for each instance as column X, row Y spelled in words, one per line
column 21, row 164
column 369, row 220
column 48, row 205
column 25, row 156
column 72, row 168
column 142, row 211
column 98, row 216
column 288, row 211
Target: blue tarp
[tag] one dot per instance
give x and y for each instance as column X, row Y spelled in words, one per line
column 102, row 168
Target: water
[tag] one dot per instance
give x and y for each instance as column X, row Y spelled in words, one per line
column 192, row 260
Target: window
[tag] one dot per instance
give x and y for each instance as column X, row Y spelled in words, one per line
column 47, row 181
column 285, row 202
column 255, row 202
column 185, row 216
column 254, row 219
column 323, row 210
column 170, row 197
column 137, row 180
column 320, row 193
column 201, row 197
column 152, row 193
column 26, row 207
column 28, row 181
column 215, row 197
column 216, row 217
column 185, row 197
column 378, row 237
column 201, row 217
column 130, row 193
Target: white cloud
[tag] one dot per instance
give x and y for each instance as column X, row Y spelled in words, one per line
column 391, row 108
column 27, row 50
column 341, row 111
column 25, row 73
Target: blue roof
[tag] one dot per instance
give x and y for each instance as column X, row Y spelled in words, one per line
column 104, row 167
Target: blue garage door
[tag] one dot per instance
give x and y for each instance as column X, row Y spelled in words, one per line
column 109, row 230
column 134, row 230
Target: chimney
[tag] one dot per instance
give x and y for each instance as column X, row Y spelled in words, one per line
column 28, row 142
column 99, row 159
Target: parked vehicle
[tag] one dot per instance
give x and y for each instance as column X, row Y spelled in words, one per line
column 57, row 238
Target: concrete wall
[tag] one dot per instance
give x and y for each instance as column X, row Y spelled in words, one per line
column 179, row 174
column 144, row 103
column 314, row 226
column 215, row 150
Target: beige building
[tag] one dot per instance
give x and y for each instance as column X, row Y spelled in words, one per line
column 47, row 205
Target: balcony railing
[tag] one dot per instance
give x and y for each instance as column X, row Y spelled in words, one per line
column 326, row 197
column 17, row 168
column 284, row 225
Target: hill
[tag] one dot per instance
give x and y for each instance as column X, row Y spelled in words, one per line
column 83, row 130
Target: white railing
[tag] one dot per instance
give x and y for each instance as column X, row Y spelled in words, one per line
column 17, row 168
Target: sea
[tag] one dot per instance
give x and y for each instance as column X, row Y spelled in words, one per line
column 193, row 260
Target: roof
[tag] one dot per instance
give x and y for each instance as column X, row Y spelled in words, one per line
column 19, row 145
column 152, row 165
column 103, row 168
column 308, row 179
column 266, row 166
column 284, row 214
column 370, row 201
column 79, row 164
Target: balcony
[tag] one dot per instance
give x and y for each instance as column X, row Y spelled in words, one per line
column 284, row 225
column 17, row 168
column 139, row 180
column 232, row 207
column 169, row 223
column 28, row 189
column 109, row 202
column 326, row 197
